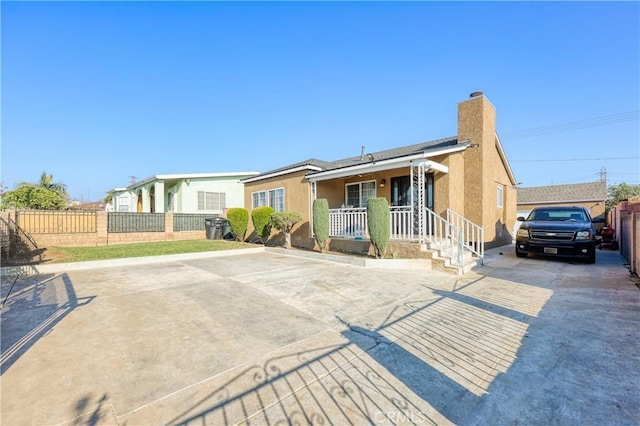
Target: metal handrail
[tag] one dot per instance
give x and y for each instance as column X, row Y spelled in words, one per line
column 472, row 235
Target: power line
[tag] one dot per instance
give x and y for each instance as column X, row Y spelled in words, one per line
column 573, row 159
column 572, row 125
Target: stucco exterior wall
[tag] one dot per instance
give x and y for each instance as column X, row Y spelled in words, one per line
column 296, row 199
column 231, row 187
column 485, row 172
column 185, row 194
column 335, row 190
column 449, row 187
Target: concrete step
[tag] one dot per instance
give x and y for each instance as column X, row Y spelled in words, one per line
column 441, row 261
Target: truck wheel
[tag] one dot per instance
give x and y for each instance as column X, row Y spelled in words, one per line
column 520, row 254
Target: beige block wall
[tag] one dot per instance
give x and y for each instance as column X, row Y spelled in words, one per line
column 102, row 238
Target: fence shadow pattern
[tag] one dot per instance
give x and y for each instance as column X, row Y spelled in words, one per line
column 34, row 307
column 384, row 374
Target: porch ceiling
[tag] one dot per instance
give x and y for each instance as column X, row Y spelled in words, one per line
column 377, row 166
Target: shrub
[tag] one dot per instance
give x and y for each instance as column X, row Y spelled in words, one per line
column 238, row 218
column 378, row 224
column 285, row 221
column 321, row 222
column 261, row 218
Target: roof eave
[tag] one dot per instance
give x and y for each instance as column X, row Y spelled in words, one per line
column 505, row 161
column 280, row 173
column 388, row 164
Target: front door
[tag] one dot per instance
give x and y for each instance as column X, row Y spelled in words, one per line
column 401, row 194
column 401, row 191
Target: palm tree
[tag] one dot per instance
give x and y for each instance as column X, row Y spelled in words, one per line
column 46, row 181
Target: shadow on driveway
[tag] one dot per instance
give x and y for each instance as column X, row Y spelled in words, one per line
column 412, row 369
column 34, row 306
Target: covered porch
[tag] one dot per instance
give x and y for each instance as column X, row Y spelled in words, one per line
column 410, row 189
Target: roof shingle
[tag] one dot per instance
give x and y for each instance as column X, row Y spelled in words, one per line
column 366, row 158
column 570, row 193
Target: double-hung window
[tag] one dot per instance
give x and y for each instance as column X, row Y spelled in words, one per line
column 273, row 198
column 276, row 199
column 499, row 196
column 211, row 201
column 258, row 199
column 357, row 194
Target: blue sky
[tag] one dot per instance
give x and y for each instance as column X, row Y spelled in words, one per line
column 97, row 92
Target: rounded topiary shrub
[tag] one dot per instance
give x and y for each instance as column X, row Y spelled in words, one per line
column 285, row 221
column 321, row 222
column 261, row 219
column 378, row 222
column 238, row 218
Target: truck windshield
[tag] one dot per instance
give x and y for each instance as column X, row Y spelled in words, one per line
column 558, row 215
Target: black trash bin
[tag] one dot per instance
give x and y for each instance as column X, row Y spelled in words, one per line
column 209, row 225
column 218, row 224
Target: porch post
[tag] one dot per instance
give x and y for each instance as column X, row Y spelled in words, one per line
column 313, row 186
column 421, row 204
column 413, row 206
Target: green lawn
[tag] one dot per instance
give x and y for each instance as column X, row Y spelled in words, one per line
column 81, row 254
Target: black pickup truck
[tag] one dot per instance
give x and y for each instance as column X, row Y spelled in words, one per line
column 558, row 231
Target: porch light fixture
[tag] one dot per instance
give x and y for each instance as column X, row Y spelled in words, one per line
column 382, row 182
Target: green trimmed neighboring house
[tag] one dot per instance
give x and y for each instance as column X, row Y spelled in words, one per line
column 454, row 195
column 210, row 193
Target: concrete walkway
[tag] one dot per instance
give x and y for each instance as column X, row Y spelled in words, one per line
column 271, row 338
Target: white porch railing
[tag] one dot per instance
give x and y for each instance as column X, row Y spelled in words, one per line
column 453, row 235
column 352, row 223
column 348, row 223
column 401, row 223
column 471, row 235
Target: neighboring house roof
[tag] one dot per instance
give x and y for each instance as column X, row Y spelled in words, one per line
column 186, row 176
column 571, row 193
column 314, row 165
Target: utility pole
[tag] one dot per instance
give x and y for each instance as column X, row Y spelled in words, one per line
column 132, row 180
column 603, row 175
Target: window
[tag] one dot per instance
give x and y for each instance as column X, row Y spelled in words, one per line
column 499, row 196
column 123, row 204
column 357, row 194
column 170, row 197
column 276, row 199
column 211, row 200
column 258, row 199
column 273, row 198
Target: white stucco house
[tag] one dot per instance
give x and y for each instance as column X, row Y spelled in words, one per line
column 209, row 193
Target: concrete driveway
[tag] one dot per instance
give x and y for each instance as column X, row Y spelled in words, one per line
column 269, row 338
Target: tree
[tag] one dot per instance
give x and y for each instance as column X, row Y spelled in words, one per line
column 261, row 219
column 620, row 192
column 44, row 195
column 321, row 223
column 238, row 218
column 285, row 221
column 46, row 182
column 378, row 222
column 33, row 197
